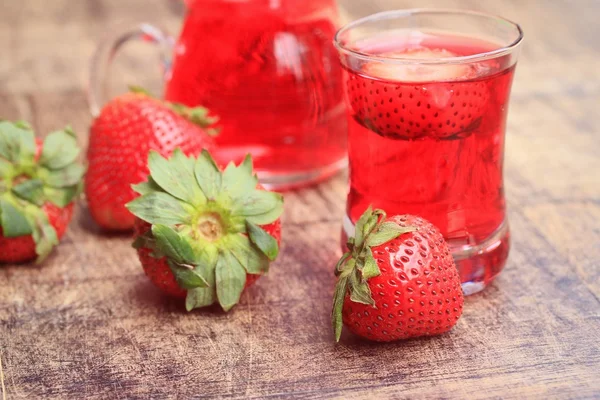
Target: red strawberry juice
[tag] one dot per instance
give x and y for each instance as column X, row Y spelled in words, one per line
column 269, row 70
column 429, row 139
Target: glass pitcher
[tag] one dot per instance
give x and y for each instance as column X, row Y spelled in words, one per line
column 268, row 70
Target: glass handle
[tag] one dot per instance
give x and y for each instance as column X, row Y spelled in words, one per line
column 106, row 51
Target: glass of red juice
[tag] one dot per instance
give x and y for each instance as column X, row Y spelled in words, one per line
column 268, row 69
column 427, row 97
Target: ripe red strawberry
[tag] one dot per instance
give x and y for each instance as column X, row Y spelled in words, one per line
column 127, row 128
column 39, row 182
column 405, row 104
column 204, row 233
column 23, row 248
column 160, row 273
column 397, row 281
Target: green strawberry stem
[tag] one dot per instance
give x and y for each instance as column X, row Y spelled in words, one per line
column 197, row 115
column 207, row 223
column 357, row 265
column 27, row 183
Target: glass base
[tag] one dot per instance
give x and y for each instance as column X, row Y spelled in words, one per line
column 477, row 264
column 296, row 179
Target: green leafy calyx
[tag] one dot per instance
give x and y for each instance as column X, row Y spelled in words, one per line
column 196, row 115
column 29, row 179
column 358, row 265
column 207, row 223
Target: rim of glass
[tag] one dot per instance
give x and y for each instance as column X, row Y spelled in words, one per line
column 395, row 14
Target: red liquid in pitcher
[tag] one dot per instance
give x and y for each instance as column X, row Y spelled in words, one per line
column 429, row 140
column 269, row 70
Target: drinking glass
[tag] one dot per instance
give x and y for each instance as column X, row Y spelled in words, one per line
column 427, row 96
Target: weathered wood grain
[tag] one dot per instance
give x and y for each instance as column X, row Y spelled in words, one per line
column 88, row 324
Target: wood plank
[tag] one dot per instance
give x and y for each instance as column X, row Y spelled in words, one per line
column 88, row 324
column 50, row 45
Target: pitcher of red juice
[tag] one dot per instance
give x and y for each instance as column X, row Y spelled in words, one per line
column 268, row 70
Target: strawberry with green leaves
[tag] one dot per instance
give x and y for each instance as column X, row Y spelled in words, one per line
column 39, row 182
column 127, row 128
column 397, row 281
column 204, row 233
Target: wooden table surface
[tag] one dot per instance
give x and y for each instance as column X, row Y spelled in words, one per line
column 87, row 323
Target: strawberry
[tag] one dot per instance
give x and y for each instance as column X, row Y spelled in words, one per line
column 39, row 182
column 397, row 281
column 415, row 101
column 204, row 233
column 127, row 128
